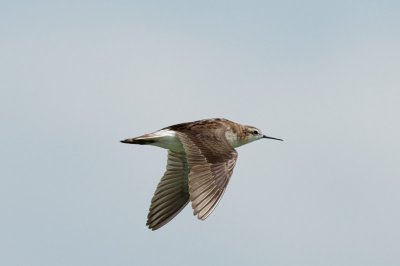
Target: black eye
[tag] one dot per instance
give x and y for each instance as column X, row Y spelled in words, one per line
column 255, row 132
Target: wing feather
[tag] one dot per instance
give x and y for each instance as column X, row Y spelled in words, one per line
column 211, row 161
column 172, row 193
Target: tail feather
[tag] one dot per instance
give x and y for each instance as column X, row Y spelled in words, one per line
column 139, row 140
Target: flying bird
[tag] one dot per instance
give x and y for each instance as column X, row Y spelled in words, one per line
column 201, row 158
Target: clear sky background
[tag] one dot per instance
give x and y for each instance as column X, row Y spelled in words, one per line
column 78, row 76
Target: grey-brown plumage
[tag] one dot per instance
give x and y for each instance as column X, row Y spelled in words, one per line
column 172, row 193
column 201, row 158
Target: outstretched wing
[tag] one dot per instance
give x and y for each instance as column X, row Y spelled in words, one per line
column 171, row 194
column 211, row 161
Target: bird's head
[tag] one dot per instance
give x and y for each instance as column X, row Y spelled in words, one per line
column 253, row 134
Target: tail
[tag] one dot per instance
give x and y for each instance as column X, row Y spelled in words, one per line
column 139, row 140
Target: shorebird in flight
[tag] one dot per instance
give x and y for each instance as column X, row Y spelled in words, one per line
column 201, row 158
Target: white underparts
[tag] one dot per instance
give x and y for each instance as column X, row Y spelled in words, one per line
column 167, row 139
column 233, row 138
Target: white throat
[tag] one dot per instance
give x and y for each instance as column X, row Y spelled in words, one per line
column 233, row 139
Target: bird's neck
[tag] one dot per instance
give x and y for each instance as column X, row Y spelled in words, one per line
column 234, row 139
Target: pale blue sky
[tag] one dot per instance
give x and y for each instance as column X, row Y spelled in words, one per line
column 78, row 76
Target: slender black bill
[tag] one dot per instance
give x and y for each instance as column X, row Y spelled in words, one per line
column 266, row 137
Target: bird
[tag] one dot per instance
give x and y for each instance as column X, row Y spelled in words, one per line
column 201, row 158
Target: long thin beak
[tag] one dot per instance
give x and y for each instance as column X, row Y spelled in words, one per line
column 266, row 137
